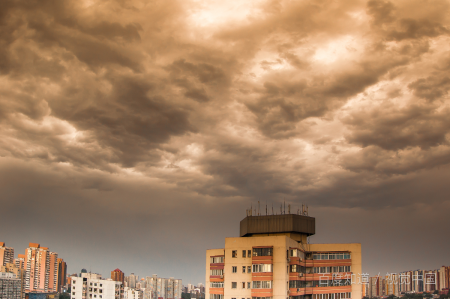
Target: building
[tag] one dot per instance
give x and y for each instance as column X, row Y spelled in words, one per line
column 41, row 269
column 6, row 254
column 62, row 274
column 10, row 286
column 272, row 259
column 130, row 293
column 132, row 280
column 19, row 274
column 93, row 286
column 444, row 278
column 162, row 288
column 117, row 275
column 20, row 261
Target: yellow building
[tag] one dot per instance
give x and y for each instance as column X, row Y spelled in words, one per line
column 272, row 259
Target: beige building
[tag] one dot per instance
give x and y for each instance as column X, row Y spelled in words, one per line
column 273, row 259
column 6, row 254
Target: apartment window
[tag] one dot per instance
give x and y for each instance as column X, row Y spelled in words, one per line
column 100, row 284
column 262, row 284
column 234, row 253
column 244, row 253
column 216, row 260
column 216, row 284
column 234, row 269
column 234, row 285
column 256, row 268
column 331, row 256
column 243, row 286
column 262, row 251
column 249, row 253
column 249, row 269
column 261, row 298
column 216, row 272
column 243, row 269
column 95, row 284
column 73, row 288
column 73, row 293
column 248, row 287
column 298, row 269
column 215, row 296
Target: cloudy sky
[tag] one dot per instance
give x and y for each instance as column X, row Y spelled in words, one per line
column 134, row 134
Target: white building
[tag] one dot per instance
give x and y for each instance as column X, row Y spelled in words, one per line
column 91, row 286
column 130, row 293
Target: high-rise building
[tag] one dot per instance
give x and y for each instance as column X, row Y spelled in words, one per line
column 6, row 254
column 117, row 275
column 272, row 259
column 10, row 286
column 162, row 288
column 444, row 277
column 132, row 281
column 62, row 274
column 130, row 293
column 93, row 286
column 20, row 261
column 41, row 269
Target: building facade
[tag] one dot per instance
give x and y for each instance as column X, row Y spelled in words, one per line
column 6, row 254
column 62, row 274
column 117, row 275
column 162, row 288
column 10, row 286
column 92, row 286
column 41, row 269
column 272, row 259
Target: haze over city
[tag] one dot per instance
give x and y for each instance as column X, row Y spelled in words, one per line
column 136, row 134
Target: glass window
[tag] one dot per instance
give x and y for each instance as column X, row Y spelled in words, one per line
column 244, row 253
column 262, row 252
column 256, row 268
column 249, row 253
column 248, row 286
column 234, row 253
column 234, row 285
column 249, row 269
column 243, row 269
column 234, row 269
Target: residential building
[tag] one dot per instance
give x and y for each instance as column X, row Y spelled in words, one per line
column 62, row 274
column 272, row 259
column 10, row 286
column 117, row 275
column 162, row 288
column 444, row 277
column 6, row 254
column 41, row 269
column 92, row 286
column 130, row 293
column 18, row 272
column 20, row 261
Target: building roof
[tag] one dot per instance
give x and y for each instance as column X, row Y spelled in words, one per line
column 272, row 224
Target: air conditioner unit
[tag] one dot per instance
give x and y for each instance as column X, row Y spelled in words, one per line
column 300, row 274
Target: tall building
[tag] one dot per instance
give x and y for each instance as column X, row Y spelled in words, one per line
column 444, row 277
column 117, row 275
column 62, row 274
column 272, row 259
column 6, row 254
column 20, row 261
column 93, row 286
column 132, row 281
column 162, row 288
column 18, row 272
column 10, row 286
column 41, row 269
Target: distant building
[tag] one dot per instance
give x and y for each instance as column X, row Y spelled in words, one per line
column 41, row 269
column 132, row 281
column 10, row 286
column 92, row 286
column 20, row 261
column 130, row 293
column 117, row 275
column 273, row 259
column 444, row 278
column 162, row 288
column 6, row 254
column 62, row 274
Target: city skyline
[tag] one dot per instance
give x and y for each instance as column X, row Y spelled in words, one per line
column 135, row 134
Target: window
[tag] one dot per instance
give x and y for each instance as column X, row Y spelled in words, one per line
column 243, row 269
column 256, row 268
column 216, row 259
column 261, row 297
column 298, row 269
column 216, row 272
column 234, row 269
column 262, row 252
column 249, row 253
column 73, row 293
column 249, row 269
column 244, row 255
column 332, row 256
column 215, row 296
column 248, row 287
column 216, row 284
column 243, row 286
column 262, row 284
column 234, row 285
column 101, row 285
column 234, row 253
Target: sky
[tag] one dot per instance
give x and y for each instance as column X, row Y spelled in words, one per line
column 135, row 134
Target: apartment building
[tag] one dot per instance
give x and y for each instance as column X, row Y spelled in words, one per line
column 10, row 286
column 41, row 269
column 18, row 273
column 117, row 275
column 162, row 288
column 272, row 258
column 62, row 274
column 6, row 254
column 92, row 286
